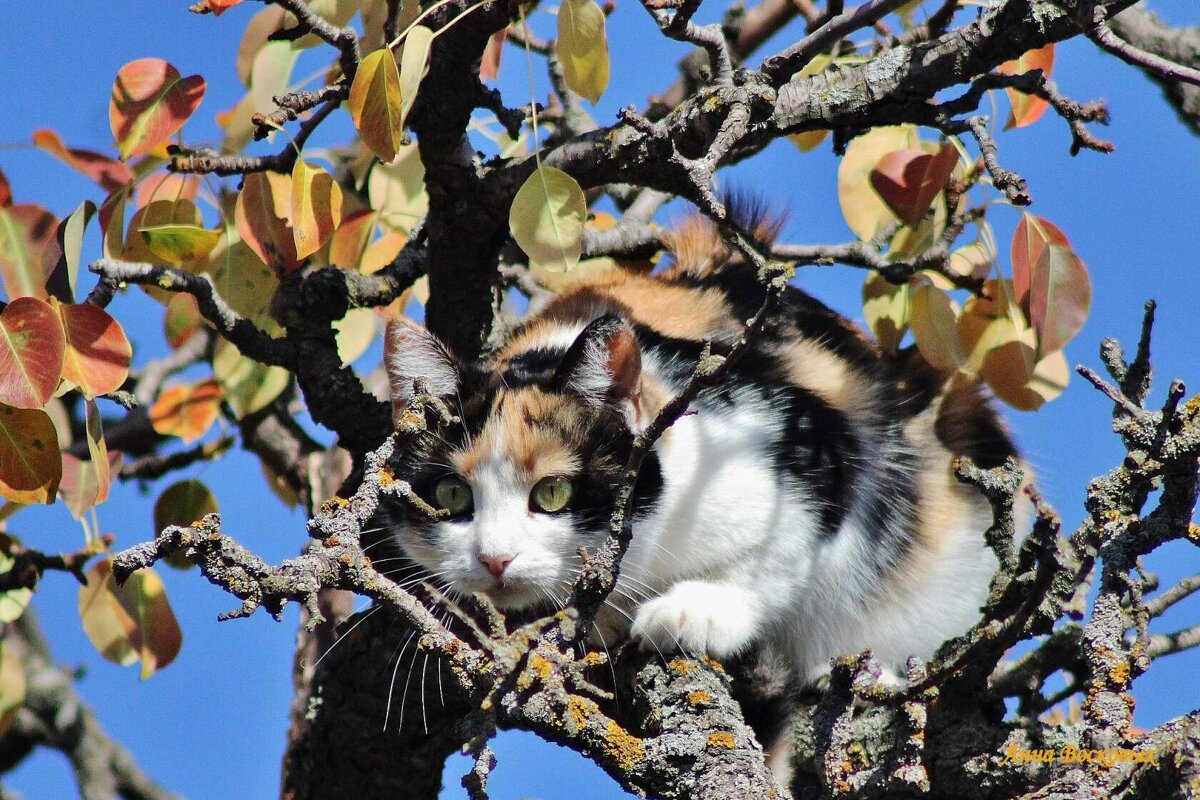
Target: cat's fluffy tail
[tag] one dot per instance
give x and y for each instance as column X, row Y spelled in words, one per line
column 700, row 252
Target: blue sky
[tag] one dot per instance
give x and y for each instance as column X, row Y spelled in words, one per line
column 212, row 724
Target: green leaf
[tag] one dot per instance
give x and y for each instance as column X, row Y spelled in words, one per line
column 547, row 218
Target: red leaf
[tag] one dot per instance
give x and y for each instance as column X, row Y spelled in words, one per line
column 31, row 353
column 109, row 173
column 98, row 354
column 909, row 180
column 1059, row 299
column 29, row 249
column 489, row 66
column 219, row 7
column 150, row 102
column 5, row 191
column 1031, row 237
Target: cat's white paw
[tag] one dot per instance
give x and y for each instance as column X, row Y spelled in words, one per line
column 697, row 617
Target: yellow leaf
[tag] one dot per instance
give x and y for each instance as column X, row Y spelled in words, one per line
column 248, row 385
column 375, row 104
column 355, row 333
column 414, row 63
column 547, row 218
column 316, row 207
column 933, row 320
column 885, row 308
column 397, row 190
column 582, row 48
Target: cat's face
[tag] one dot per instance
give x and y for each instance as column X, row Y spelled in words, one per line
column 529, row 475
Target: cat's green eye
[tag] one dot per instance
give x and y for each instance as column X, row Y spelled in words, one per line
column 453, row 494
column 551, row 494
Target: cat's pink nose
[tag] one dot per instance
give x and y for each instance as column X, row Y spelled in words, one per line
column 496, row 564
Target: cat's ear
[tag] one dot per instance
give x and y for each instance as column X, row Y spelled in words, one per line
column 604, row 365
column 411, row 352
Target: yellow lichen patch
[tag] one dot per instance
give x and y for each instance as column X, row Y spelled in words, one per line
column 1120, row 673
column 541, row 666
column 721, row 739
column 386, row 478
column 624, row 747
column 682, row 665
column 593, row 659
column 333, row 504
column 698, row 696
column 1194, row 533
column 713, row 663
column 579, row 710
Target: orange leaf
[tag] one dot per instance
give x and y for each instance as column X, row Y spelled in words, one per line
column 489, row 66
column 167, row 186
column 909, row 180
column 351, row 238
column 97, row 352
column 109, row 173
column 219, row 7
column 31, row 353
column 187, row 411
column 1026, row 108
column 150, row 102
column 316, row 207
column 29, row 249
column 263, row 216
column 30, row 465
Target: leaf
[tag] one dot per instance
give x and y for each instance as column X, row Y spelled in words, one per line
column 1026, row 108
column 31, row 352
column 865, row 212
column 375, row 104
column 254, row 38
column 249, row 386
column 909, row 180
column 547, row 218
column 1021, row 381
column 974, row 260
column 97, row 448
column 109, row 173
column 933, row 320
column 62, row 280
column 150, row 102
column 316, row 207
column 98, row 354
column 414, row 63
column 112, row 223
column 270, row 75
column 397, row 190
column 30, row 465
column 165, row 214
column 582, row 48
column 13, row 602
column 12, row 685
column 81, row 486
column 351, row 238
column 806, row 141
column 355, row 333
column 169, row 186
column 489, row 65
column 182, row 503
column 177, row 243
column 187, row 411
column 263, row 216
column 129, row 623
column 219, row 7
column 29, row 249
column 5, row 191
column 1051, row 281
column 885, row 308
column 241, row 277
column 182, row 319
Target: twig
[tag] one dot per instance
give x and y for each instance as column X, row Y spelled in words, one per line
column 1108, row 40
column 344, row 39
column 778, row 69
column 154, row 465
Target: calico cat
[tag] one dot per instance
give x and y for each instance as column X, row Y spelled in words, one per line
column 807, row 500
